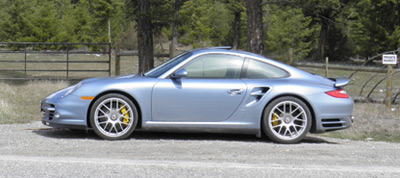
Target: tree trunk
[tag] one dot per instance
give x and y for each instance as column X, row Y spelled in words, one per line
column 174, row 43
column 236, row 31
column 254, row 26
column 145, row 37
column 322, row 41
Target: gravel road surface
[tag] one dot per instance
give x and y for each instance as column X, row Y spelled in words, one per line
column 34, row 150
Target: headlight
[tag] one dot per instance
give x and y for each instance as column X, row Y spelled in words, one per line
column 73, row 88
column 58, row 92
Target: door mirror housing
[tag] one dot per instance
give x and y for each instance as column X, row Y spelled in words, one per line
column 180, row 73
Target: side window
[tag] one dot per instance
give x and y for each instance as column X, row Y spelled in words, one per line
column 257, row 69
column 215, row 66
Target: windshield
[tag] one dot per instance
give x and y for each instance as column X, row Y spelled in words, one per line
column 156, row 72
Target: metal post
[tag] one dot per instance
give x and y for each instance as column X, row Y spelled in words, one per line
column 389, row 88
column 326, row 66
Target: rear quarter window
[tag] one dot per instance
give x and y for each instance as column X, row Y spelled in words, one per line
column 258, row 70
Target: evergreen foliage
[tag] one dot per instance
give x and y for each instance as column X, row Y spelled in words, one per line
column 206, row 23
column 314, row 29
column 59, row 20
column 289, row 28
column 376, row 27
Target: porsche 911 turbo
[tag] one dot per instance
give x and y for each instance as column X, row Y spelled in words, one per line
column 206, row 90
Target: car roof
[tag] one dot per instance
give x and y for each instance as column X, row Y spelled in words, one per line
column 225, row 50
column 294, row 72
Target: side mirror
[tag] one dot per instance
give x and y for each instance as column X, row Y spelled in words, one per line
column 180, row 73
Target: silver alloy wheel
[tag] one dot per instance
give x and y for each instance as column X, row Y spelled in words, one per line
column 113, row 117
column 287, row 120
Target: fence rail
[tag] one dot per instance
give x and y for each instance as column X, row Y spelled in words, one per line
column 27, row 48
column 342, row 67
column 119, row 54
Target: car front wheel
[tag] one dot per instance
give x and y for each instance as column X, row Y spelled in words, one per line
column 113, row 117
column 286, row 120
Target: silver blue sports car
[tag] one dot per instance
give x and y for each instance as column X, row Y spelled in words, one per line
column 206, row 90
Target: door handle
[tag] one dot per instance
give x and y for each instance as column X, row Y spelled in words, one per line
column 235, row 92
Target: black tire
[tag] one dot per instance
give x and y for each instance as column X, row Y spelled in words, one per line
column 286, row 120
column 113, row 117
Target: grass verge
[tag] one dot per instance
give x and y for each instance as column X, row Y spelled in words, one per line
column 20, row 101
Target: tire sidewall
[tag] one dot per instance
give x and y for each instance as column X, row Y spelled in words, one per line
column 93, row 111
column 265, row 124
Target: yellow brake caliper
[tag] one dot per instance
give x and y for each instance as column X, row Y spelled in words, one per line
column 125, row 119
column 275, row 119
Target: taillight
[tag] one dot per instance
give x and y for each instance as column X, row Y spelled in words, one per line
column 339, row 93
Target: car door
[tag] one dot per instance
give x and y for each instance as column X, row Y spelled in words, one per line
column 211, row 92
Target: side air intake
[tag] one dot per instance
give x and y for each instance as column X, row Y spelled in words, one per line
column 256, row 94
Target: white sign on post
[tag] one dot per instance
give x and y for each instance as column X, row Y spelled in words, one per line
column 389, row 59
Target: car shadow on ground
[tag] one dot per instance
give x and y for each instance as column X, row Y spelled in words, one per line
column 214, row 136
column 142, row 135
column 65, row 133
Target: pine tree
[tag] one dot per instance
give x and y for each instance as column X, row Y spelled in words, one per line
column 331, row 16
column 289, row 29
column 376, row 27
column 15, row 20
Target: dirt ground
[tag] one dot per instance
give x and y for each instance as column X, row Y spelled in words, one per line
column 34, row 150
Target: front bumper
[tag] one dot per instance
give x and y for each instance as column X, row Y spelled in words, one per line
column 65, row 112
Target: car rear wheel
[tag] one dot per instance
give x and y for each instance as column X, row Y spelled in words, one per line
column 286, row 120
column 113, row 117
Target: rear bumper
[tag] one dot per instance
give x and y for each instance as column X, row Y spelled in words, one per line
column 337, row 123
column 332, row 114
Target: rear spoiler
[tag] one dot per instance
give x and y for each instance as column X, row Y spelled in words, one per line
column 340, row 82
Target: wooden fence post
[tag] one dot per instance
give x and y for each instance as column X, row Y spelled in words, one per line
column 117, row 60
column 326, row 66
column 290, row 55
column 68, row 61
column 25, row 52
column 389, row 88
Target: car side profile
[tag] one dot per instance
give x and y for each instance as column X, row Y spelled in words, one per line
column 206, row 90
